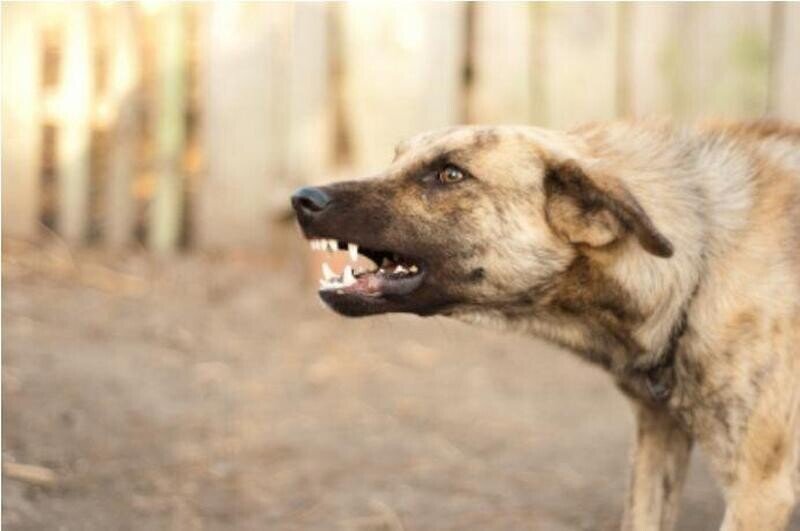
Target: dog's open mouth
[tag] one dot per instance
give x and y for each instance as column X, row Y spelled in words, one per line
column 389, row 275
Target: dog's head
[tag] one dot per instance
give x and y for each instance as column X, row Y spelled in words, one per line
column 469, row 217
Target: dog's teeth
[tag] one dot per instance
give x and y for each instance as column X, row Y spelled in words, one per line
column 386, row 263
column 413, row 269
column 400, row 269
column 327, row 272
column 329, row 284
column 348, row 278
column 333, row 245
column 352, row 248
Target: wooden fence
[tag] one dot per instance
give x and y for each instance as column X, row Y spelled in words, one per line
column 189, row 124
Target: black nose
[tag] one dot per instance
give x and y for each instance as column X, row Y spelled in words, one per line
column 309, row 201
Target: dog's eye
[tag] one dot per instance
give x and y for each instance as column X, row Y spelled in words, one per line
column 450, row 174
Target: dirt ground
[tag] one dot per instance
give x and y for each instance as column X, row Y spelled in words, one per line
column 215, row 392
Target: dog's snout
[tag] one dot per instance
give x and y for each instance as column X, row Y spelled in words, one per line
column 310, row 201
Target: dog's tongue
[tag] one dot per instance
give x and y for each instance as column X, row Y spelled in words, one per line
column 378, row 283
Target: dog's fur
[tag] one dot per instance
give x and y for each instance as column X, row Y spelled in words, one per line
column 668, row 255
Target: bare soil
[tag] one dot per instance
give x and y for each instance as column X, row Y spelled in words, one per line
column 215, row 392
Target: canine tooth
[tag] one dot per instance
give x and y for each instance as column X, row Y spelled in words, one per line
column 413, row 269
column 327, row 272
column 348, row 278
column 352, row 248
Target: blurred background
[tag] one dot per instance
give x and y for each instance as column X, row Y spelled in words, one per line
column 165, row 362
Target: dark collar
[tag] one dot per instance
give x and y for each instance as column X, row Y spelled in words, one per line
column 659, row 379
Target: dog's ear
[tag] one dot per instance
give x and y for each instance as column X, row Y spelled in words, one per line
column 596, row 212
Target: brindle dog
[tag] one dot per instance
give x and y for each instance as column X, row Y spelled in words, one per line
column 668, row 255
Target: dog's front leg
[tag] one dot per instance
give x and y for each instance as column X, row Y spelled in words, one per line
column 757, row 469
column 660, row 459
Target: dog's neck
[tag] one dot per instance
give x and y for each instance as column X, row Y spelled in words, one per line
column 589, row 312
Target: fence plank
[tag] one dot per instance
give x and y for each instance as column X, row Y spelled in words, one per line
column 504, row 58
column 731, row 61
column 688, row 64
column 239, row 45
column 403, row 67
column 310, row 119
column 580, row 62
column 652, row 68
column 125, row 101
column 22, row 128
column 74, row 122
column 170, row 129
column 785, row 79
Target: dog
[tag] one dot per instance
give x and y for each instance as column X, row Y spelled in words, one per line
column 667, row 254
